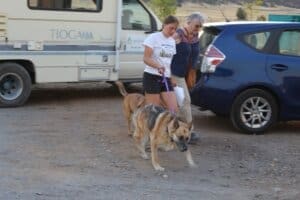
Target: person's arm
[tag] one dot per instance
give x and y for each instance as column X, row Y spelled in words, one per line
column 173, row 82
column 177, row 37
column 195, row 54
column 148, row 60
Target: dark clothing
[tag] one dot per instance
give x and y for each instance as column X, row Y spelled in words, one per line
column 187, row 54
column 154, row 84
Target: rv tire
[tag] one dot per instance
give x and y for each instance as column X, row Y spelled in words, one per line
column 15, row 85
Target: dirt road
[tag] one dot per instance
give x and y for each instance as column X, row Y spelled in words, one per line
column 72, row 143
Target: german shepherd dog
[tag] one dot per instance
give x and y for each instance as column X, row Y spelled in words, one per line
column 163, row 129
column 131, row 102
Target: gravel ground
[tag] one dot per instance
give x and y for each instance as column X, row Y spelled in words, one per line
column 70, row 142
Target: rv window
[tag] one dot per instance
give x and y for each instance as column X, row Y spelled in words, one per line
column 135, row 16
column 66, row 5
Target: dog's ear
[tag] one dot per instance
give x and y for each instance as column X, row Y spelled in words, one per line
column 176, row 124
column 180, row 118
column 190, row 125
column 173, row 125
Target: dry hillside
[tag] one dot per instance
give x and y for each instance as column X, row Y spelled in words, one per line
column 269, row 3
column 217, row 12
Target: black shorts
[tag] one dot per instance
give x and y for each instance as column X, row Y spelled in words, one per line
column 154, row 84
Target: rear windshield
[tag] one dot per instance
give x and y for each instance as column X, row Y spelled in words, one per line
column 207, row 36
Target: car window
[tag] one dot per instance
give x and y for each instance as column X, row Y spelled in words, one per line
column 289, row 43
column 205, row 39
column 207, row 35
column 257, row 40
column 135, row 17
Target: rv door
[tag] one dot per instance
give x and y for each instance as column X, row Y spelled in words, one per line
column 137, row 22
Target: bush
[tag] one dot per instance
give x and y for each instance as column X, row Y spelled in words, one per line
column 241, row 14
column 163, row 8
column 261, row 18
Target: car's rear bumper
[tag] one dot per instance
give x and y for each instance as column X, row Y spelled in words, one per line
column 211, row 95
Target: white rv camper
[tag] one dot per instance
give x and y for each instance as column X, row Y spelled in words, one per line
column 60, row 41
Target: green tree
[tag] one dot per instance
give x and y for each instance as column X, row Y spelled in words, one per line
column 241, row 14
column 250, row 7
column 261, row 18
column 163, row 8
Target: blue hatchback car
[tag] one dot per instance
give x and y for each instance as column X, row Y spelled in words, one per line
column 250, row 71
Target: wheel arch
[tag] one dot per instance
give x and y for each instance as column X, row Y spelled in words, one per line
column 28, row 66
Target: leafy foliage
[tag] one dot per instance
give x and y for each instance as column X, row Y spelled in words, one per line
column 241, row 14
column 163, row 8
column 261, row 18
column 250, row 7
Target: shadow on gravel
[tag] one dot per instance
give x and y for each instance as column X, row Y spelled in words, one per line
column 286, row 127
column 54, row 93
column 207, row 121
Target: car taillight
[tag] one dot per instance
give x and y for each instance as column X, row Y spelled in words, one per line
column 212, row 58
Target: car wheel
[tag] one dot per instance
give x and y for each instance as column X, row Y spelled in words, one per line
column 254, row 111
column 15, row 85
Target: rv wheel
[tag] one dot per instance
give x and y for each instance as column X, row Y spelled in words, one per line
column 15, row 85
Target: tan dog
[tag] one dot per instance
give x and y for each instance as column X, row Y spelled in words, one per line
column 163, row 129
column 131, row 102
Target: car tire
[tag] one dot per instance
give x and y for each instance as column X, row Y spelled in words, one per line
column 15, row 85
column 254, row 111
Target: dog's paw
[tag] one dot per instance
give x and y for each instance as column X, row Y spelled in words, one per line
column 190, row 160
column 193, row 165
column 159, row 168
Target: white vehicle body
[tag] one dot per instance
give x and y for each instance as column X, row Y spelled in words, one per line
column 70, row 41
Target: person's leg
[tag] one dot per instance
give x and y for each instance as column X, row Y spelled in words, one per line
column 151, row 88
column 152, row 99
column 185, row 111
column 169, row 98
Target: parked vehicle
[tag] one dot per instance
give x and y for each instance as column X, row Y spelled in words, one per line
column 250, row 72
column 47, row 41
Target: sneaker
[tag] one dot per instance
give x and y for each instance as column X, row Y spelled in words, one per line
column 194, row 138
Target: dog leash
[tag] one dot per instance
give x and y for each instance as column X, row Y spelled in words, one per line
column 165, row 81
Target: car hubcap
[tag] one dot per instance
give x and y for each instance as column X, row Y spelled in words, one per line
column 11, row 86
column 256, row 112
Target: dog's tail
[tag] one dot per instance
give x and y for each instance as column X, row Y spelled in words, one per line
column 121, row 88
